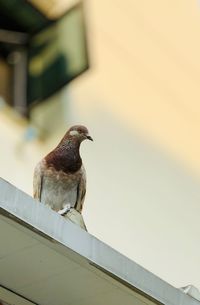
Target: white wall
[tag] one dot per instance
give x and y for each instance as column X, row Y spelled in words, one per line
column 140, row 101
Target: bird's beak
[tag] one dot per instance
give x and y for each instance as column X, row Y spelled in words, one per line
column 89, row 138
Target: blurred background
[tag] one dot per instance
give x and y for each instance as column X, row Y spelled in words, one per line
column 129, row 71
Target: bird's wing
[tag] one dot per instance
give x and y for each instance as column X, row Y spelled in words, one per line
column 37, row 182
column 81, row 191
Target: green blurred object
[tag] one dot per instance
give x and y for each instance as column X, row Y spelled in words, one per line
column 21, row 16
column 45, row 55
column 57, row 55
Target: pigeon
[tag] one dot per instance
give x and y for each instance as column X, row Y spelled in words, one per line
column 59, row 179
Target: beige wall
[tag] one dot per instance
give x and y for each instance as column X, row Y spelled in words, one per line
column 140, row 101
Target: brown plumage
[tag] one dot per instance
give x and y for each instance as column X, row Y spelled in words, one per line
column 59, row 178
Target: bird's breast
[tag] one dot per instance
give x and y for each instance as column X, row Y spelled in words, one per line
column 59, row 188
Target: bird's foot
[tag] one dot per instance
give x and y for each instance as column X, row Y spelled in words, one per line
column 65, row 209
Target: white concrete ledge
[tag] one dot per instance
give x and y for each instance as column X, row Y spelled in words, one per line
column 36, row 227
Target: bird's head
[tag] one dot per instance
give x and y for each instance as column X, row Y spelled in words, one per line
column 79, row 133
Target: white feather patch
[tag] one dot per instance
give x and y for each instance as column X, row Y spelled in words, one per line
column 74, row 133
